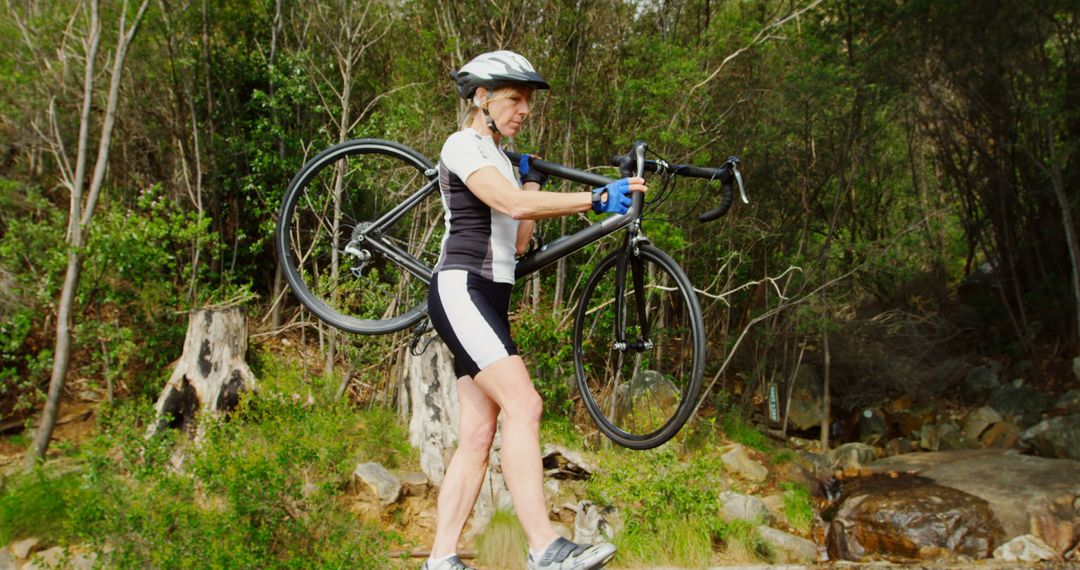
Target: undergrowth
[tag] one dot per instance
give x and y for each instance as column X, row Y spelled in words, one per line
column 671, row 508
column 259, row 490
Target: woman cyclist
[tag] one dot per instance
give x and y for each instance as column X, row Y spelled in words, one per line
column 489, row 219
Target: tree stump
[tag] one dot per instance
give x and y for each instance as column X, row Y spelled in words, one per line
column 429, row 395
column 210, row 373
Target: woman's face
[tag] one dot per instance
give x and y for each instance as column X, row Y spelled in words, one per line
column 509, row 111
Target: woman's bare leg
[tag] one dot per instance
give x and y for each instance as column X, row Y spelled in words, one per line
column 465, row 474
column 507, row 382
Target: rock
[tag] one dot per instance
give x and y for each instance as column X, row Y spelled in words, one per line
column 872, row 426
column 743, row 507
column 899, row 445
column 22, row 549
column 788, row 548
column 7, row 561
column 1069, row 400
column 977, row 421
column 1028, row 494
column 951, row 436
column 909, row 422
column 739, row 462
column 929, row 438
column 1021, row 403
column 54, row 557
column 805, row 404
column 1002, row 435
column 1025, row 548
column 562, row 463
column 414, row 484
column 852, row 456
column 1055, row 437
column 775, row 506
column 979, row 384
column 909, row 518
column 594, row 524
column 382, row 483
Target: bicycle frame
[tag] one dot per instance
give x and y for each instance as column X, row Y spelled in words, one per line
column 530, row 263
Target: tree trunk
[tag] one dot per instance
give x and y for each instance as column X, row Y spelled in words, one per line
column 433, row 428
column 826, row 401
column 80, row 214
column 210, row 373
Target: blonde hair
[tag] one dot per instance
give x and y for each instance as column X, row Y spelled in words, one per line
column 504, row 92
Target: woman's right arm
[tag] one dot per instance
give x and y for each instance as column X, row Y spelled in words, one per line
column 498, row 193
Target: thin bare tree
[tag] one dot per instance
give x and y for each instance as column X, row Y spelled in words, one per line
column 84, row 196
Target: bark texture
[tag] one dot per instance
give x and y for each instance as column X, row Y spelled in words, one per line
column 210, row 374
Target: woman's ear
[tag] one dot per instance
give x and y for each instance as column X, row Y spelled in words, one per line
column 479, row 95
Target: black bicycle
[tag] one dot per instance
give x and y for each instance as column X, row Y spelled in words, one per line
column 360, row 230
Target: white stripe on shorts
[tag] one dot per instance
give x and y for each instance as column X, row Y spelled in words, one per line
column 471, row 328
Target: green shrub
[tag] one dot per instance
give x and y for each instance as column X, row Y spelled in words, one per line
column 670, row 506
column 258, row 489
column 37, row 504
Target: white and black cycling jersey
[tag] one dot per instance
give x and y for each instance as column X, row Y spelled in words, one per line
column 478, row 238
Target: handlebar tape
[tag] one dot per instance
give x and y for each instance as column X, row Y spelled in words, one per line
column 726, row 200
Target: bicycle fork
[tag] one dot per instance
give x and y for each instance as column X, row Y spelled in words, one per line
column 631, row 260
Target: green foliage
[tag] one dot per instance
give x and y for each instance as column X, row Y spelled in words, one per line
column 670, row 505
column 544, row 338
column 37, row 504
column 259, row 490
column 741, row 431
column 798, row 507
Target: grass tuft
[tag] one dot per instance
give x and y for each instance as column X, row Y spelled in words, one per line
column 503, row 543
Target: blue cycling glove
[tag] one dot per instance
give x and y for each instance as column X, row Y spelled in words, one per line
column 618, row 198
column 530, row 174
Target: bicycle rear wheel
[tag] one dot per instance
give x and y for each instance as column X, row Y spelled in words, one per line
column 358, row 234
column 640, row 394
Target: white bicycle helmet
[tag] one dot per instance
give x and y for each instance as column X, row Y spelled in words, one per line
column 496, row 69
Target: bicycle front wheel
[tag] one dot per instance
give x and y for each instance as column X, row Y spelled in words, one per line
column 640, row 384
column 358, row 234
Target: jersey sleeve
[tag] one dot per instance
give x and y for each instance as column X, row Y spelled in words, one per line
column 463, row 153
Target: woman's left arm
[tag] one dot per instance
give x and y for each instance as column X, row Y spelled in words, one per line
column 525, row 227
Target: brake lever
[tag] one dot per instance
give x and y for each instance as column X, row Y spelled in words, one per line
column 733, row 162
column 738, row 178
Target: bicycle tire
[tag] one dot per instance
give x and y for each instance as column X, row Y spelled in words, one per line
column 336, row 197
column 640, row 398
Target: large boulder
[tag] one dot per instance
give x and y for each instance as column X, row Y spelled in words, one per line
column 909, row 518
column 1028, row 495
column 1057, row 437
column 805, row 404
column 852, row 456
column 980, row 383
column 788, row 548
column 739, row 462
column 1020, row 403
column 737, row 506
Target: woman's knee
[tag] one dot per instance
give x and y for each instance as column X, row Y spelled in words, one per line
column 527, row 407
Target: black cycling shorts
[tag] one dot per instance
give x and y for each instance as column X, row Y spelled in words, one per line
column 471, row 315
